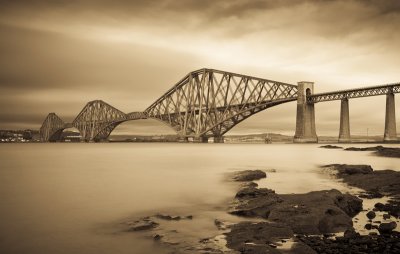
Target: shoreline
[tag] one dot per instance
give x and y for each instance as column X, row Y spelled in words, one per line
column 242, row 234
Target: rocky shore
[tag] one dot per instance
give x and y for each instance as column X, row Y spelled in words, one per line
column 268, row 222
column 288, row 218
column 393, row 152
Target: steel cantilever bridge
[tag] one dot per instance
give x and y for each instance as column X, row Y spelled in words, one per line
column 205, row 103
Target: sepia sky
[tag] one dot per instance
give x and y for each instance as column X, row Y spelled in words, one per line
column 57, row 55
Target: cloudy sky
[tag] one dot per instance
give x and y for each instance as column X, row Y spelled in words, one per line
column 58, row 55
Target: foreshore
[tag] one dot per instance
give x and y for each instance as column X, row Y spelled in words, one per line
column 259, row 220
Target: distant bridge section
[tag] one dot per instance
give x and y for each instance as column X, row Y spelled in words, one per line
column 98, row 119
column 305, row 120
column 355, row 93
column 52, row 128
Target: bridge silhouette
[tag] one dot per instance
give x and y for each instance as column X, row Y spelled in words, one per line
column 207, row 103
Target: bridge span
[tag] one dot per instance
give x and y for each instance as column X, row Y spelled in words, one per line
column 207, row 103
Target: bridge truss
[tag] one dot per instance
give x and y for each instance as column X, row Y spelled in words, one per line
column 205, row 103
column 98, row 119
column 52, row 128
column 208, row 103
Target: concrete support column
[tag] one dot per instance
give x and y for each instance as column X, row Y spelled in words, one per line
column 219, row 139
column 305, row 118
column 344, row 133
column 200, row 140
column 390, row 119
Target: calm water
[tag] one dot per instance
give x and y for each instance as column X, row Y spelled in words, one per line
column 62, row 198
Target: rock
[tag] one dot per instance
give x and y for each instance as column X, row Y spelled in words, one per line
column 299, row 211
column 350, row 233
column 379, row 206
column 371, row 215
column 392, row 208
column 167, row 217
column 383, row 182
column 143, row 224
column 388, row 151
column 361, row 149
column 204, row 240
column 249, row 237
column 386, row 216
column 379, row 150
column 350, row 204
column 252, row 202
column 248, row 185
column 368, row 226
column 371, row 194
column 356, row 244
column 331, row 147
column 219, row 224
column 387, row 228
column 170, row 217
column 351, row 169
column 157, row 237
column 249, row 175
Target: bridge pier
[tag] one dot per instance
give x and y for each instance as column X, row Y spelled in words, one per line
column 200, row 139
column 183, row 139
column 390, row 119
column 219, row 139
column 305, row 118
column 344, row 133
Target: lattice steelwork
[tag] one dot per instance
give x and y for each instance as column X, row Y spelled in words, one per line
column 355, row 93
column 51, row 128
column 97, row 119
column 209, row 102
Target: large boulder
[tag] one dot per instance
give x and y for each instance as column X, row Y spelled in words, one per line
column 252, row 201
column 350, row 204
column 263, row 238
column 310, row 213
column 250, row 237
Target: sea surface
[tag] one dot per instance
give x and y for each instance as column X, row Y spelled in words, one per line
column 67, row 197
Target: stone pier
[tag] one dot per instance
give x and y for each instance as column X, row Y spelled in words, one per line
column 390, row 119
column 344, row 133
column 219, row 139
column 305, row 118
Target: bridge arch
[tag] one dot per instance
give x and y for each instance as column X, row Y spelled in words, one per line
column 142, row 127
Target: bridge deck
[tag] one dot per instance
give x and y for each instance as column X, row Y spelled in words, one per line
column 355, row 93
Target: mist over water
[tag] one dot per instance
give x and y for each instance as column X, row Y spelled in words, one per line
column 59, row 198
